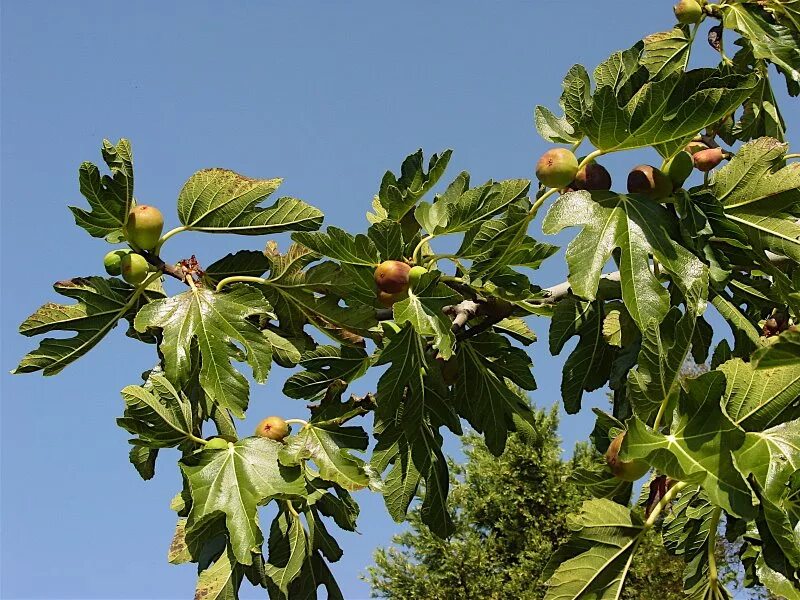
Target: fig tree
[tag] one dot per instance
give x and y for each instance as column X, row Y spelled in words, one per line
column 705, row 160
column 627, row 470
column 592, row 177
column 688, row 12
column 388, row 300
column 391, row 276
column 217, row 443
column 649, row 181
column 273, row 428
column 557, row 168
column 144, row 226
column 134, row 268
column 678, row 168
column 113, row 261
column 414, row 275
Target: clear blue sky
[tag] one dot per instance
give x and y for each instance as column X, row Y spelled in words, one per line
column 327, row 95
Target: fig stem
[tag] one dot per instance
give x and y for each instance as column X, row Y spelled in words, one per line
column 292, row 510
column 298, row 421
column 418, row 248
column 668, row 497
column 576, row 145
column 166, row 236
column 788, row 156
column 197, row 440
column 242, row 279
column 713, row 577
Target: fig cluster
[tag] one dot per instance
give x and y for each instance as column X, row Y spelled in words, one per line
column 394, row 278
column 559, row 168
column 142, row 230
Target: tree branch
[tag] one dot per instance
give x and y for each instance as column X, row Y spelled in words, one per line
column 173, row 271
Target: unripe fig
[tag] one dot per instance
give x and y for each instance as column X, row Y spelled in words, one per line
column 557, row 168
column 649, row 181
column 113, row 261
column 678, row 168
column 144, row 226
column 217, row 443
column 414, row 275
column 627, row 470
column 592, row 177
column 273, row 428
column 134, row 268
column 391, row 276
column 695, row 147
column 688, row 12
column 388, row 300
column 705, row 160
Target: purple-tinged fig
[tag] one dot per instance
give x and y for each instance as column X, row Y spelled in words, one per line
column 705, row 160
column 648, row 181
column 391, row 276
column 592, row 177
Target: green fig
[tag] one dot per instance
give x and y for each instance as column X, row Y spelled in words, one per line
column 415, row 274
column 705, row 160
column 273, row 428
column 678, row 168
column 388, row 300
column 631, row 470
column 144, row 226
column 592, row 177
column 113, row 261
column 217, row 443
column 649, row 181
column 557, row 168
column 134, row 268
column 688, row 12
column 391, row 276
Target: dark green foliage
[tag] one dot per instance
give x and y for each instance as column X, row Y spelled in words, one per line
column 510, row 514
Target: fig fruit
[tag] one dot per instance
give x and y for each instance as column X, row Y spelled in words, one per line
column 678, row 168
column 592, row 177
column 695, row 147
column 688, row 12
column 134, row 268
column 144, row 226
column 388, row 300
column 705, row 160
column 273, row 428
column 627, row 470
column 557, row 168
column 649, row 181
column 415, row 274
column 391, row 276
column 113, row 261
column 217, row 443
